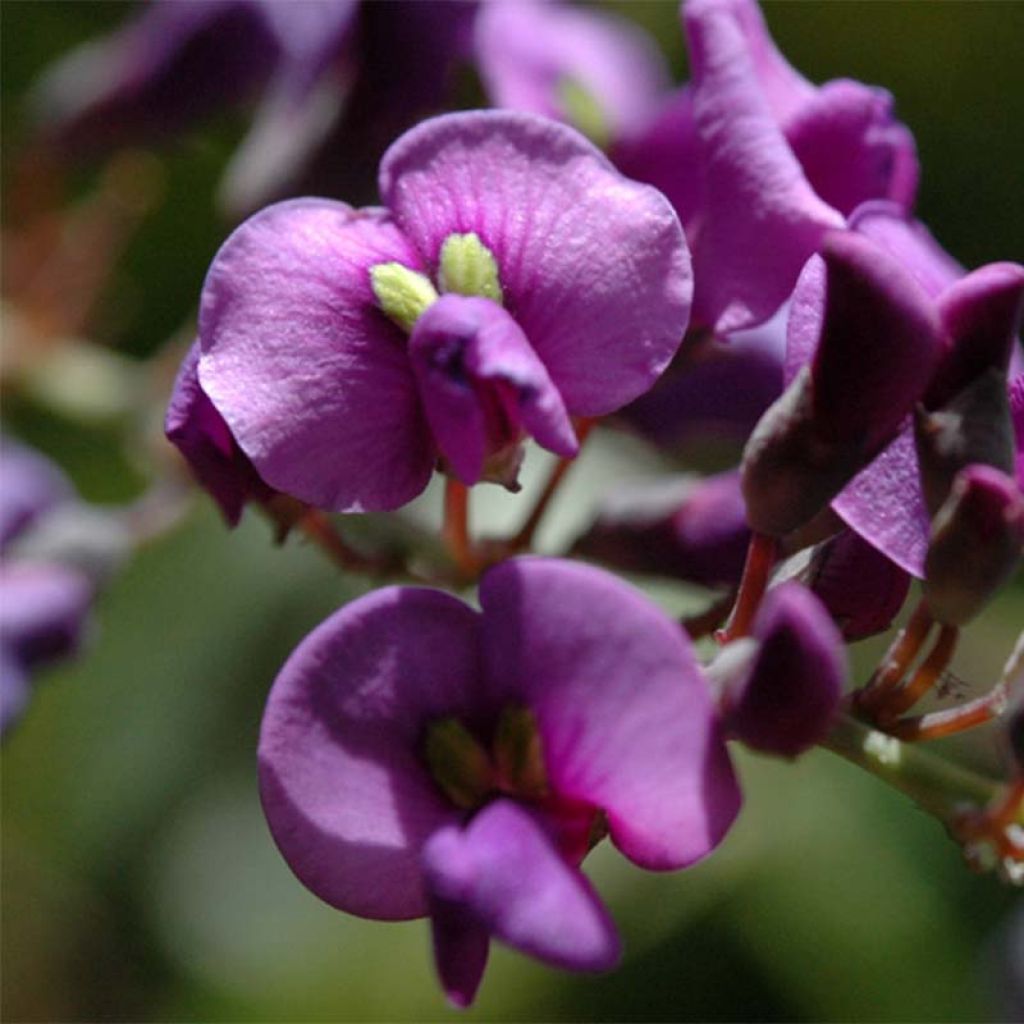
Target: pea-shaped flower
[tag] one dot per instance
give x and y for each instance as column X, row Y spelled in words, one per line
column 418, row 757
column 514, row 280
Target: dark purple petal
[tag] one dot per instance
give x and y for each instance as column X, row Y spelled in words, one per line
column 790, row 697
column 311, row 378
column 594, row 268
column 199, row 432
column 762, row 219
column 505, row 871
column 689, row 529
column 626, row 719
column 528, row 51
column 461, row 946
column 30, row 485
column 482, row 385
column 861, row 588
column 909, row 242
column 1016, row 390
column 346, row 793
column 851, row 147
column 175, row 61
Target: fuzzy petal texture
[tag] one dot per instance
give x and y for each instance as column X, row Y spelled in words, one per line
column 790, row 697
column 348, row 799
column 528, row 51
column 506, row 872
column 594, row 268
column 199, row 432
column 482, row 385
column 625, row 715
column 762, row 217
column 311, row 378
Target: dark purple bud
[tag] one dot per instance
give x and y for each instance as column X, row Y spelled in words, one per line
column 861, row 588
column 195, row 427
column 974, row 428
column 788, row 698
column 982, row 315
column 878, row 342
column 975, row 544
column 686, row 528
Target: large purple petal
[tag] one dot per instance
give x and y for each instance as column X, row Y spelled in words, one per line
column 312, row 379
column 762, row 218
column 593, row 267
column 482, row 383
column 852, row 149
column 625, row 716
column 345, row 791
column 505, row 870
column 527, row 51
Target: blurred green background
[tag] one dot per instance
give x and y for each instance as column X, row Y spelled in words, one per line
column 139, row 880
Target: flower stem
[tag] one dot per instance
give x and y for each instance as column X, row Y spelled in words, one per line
column 524, row 538
column 456, row 527
column 761, row 556
column 923, row 679
column 314, row 525
column 937, row 786
column 895, row 663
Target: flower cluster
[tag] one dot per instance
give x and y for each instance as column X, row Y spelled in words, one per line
column 421, row 758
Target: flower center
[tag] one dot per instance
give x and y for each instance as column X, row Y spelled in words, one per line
column 469, row 773
column 466, row 267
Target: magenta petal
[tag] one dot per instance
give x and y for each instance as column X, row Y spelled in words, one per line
column 762, row 219
column 909, row 242
column 594, row 268
column 461, row 946
column 526, row 50
column 344, row 789
column 851, row 147
column 1017, row 413
column 312, row 379
column 506, row 872
column 625, row 715
column 481, row 384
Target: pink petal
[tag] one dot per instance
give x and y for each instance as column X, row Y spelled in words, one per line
column 594, row 268
column 312, row 379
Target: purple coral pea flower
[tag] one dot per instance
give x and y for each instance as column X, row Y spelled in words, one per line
column 760, row 163
column 788, row 697
column 979, row 316
column 418, row 757
column 198, row 431
column 513, row 280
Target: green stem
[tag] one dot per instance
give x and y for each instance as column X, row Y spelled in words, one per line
column 937, row 786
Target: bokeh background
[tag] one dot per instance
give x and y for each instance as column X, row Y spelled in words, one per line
column 139, row 880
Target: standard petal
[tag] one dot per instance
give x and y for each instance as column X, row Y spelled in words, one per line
column 344, row 789
column 505, row 871
column 594, row 267
column 482, row 384
column 851, row 147
column 625, row 715
column 762, row 218
column 311, row 378
column 531, row 54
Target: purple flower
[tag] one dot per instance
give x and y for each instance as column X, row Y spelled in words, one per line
column 43, row 605
column 977, row 313
column 760, row 163
column 787, row 698
column 317, row 64
column 418, row 758
column 199, row 432
column 514, row 279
